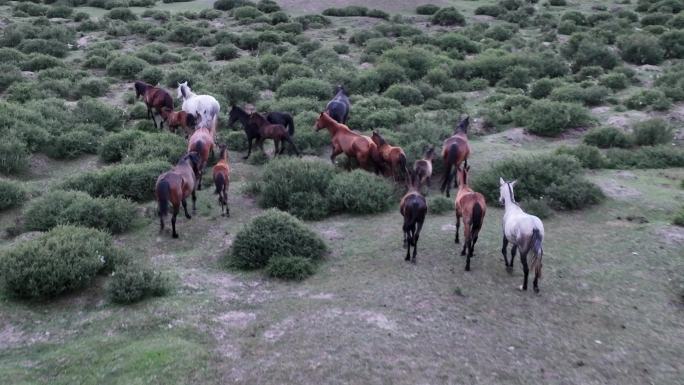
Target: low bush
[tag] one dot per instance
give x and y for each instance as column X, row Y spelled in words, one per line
column 427, row 9
column 134, row 181
column 537, row 207
column 490, row 10
column 246, row 12
column 652, row 132
column 290, row 268
column 126, row 66
column 641, row 48
column 664, row 156
column 12, row 194
column 94, row 111
column 72, row 144
column 543, row 87
column 405, row 94
column 448, row 16
column 226, row 52
column 440, row 204
column 590, row 96
column 152, row 75
column 48, row 47
column 305, row 87
column 274, row 234
column 133, row 282
column 78, row 208
column 115, row 146
column 588, row 156
column 654, row 99
column 14, row 155
column 678, row 219
column 673, row 44
column 549, row 118
column 227, row 5
column 606, row 137
column 615, row 81
column 124, row 14
column 358, row 192
column 156, row 146
column 64, row 259
column 92, row 87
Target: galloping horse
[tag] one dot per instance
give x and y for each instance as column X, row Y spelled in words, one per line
column 221, row 174
column 524, row 231
column 455, row 150
column 413, row 208
column 154, row 98
column 202, row 142
column 205, row 106
column 238, row 114
column 338, row 108
column 352, row 144
column 175, row 119
column 175, row 186
column 470, row 206
column 267, row 130
column 423, row 168
column 391, row 155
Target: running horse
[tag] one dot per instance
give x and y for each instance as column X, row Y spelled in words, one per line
column 352, row 144
column 154, row 98
column 267, row 130
column 455, row 150
column 391, row 155
column 338, row 108
column 413, row 208
column 204, row 106
column 202, row 142
column 423, row 168
column 238, row 114
column 175, row 119
column 221, row 174
column 175, row 186
column 470, row 207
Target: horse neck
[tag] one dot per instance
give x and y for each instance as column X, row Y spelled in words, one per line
column 510, row 206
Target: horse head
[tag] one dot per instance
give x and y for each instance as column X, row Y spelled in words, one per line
column 140, row 88
column 377, row 139
column 340, row 89
column 506, row 189
column 463, row 125
column 183, row 90
column 430, row 152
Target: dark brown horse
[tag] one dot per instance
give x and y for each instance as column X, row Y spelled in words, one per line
column 268, row 130
column 221, row 174
column 413, row 208
column 471, row 207
column 352, row 144
column 175, row 186
column 393, row 156
column 338, row 108
column 201, row 142
column 175, row 119
column 455, row 150
column 154, row 98
column 239, row 114
column 423, row 168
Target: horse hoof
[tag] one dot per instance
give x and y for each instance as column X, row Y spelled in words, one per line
column 456, row 241
column 536, row 290
column 522, row 288
column 467, row 268
column 245, row 157
column 189, row 216
column 174, row 236
column 509, row 269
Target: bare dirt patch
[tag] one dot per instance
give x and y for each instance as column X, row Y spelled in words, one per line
column 673, row 235
column 614, row 189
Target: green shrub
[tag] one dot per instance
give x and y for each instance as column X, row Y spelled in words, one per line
column 115, row 146
column 134, row 181
column 341, row 49
column 589, row 156
column 93, row 111
column 271, row 235
column 592, row 53
column 427, row 9
column 654, row 99
column 415, row 61
column 48, row 47
column 678, row 219
column 133, row 282
column 77, row 208
column 124, row 14
column 92, row 87
column 186, row 34
column 448, row 16
column 490, row 10
column 126, row 66
column 268, row 6
column 235, row 140
column 655, row 19
column 38, row 61
column 226, row 52
column 549, row 118
column 607, row 137
column 573, row 193
column 305, row 87
column 227, row 5
column 290, row 268
column 9, row 74
column 246, row 12
column 358, row 192
column 12, row 194
column 440, row 204
column 64, row 259
column 537, row 207
column 152, row 75
column 14, row 155
column 615, row 81
column 156, row 146
column 663, row 156
column 590, row 96
column 542, row 88
column 652, row 132
column 72, row 144
column 641, row 48
column 405, row 94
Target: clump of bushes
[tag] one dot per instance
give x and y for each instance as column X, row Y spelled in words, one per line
column 550, row 118
column 440, row 204
column 126, row 66
column 274, row 234
column 640, row 48
column 12, row 194
column 14, row 155
column 304, row 87
column 427, row 9
column 156, row 146
column 654, row 99
column 607, row 137
column 64, row 259
column 124, row 14
column 589, row 156
column 78, row 208
column 652, row 132
column 358, row 192
column 679, row 218
column 290, row 268
column 226, row 52
column 115, row 146
column 663, row 156
column 133, row 282
column 537, row 207
column 355, row 10
column 448, row 16
column 405, row 94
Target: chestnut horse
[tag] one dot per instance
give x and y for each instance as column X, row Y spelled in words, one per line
column 202, row 142
column 175, row 186
column 470, row 206
column 338, row 108
column 352, row 144
column 267, row 130
column 221, row 174
column 413, row 208
column 391, row 155
column 455, row 150
column 423, row 168
column 175, row 119
column 154, row 98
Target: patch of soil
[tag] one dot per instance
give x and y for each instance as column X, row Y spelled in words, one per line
column 236, row 319
column 626, row 175
column 672, row 235
column 449, row 228
column 626, row 119
column 613, row 189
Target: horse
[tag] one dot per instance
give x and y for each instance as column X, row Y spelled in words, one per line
column 455, row 150
column 413, row 208
column 175, row 119
column 391, row 155
column 221, row 174
column 524, row 231
column 423, row 168
column 238, row 114
column 338, row 107
column 352, row 144
column 470, row 206
column 268, row 130
column 154, row 98
column 175, row 186
column 205, row 106
column 202, row 142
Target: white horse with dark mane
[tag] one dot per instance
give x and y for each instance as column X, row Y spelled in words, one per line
column 205, row 107
column 524, row 231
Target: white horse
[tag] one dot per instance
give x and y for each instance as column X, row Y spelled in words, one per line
column 524, row 231
column 206, row 107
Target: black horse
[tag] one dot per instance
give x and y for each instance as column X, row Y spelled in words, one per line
column 252, row 131
column 338, row 108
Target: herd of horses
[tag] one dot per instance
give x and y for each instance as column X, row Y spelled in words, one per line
column 199, row 117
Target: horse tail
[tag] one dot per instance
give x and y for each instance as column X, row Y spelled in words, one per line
column 219, row 182
column 168, row 101
column 190, row 120
column 538, row 252
column 476, row 218
column 452, row 157
column 290, row 125
column 163, row 195
column 402, row 163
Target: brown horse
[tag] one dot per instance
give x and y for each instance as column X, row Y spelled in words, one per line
column 352, row 144
column 393, row 156
column 268, row 130
column 470, row 206
column 455, row 150
column 175, row 186
column 175, row 119
column 202, row 142
column 423, row 168
column 154, row 98
column 413, row 208
column 221, row 173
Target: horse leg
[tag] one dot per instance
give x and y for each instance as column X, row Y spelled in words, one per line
column 409, row 237
column 503, row 250
column 161, row 223
column 514, row 249
column 249, row 150
column 185, row 208
column 416, row 235
column 335, row 153
column 458, row 226
column 199, row 180
column 194, row 200
column 174, row 234
column 468, row 254
column 225, row 202
column 526, row 270
column 537, row 273
column 472, row 245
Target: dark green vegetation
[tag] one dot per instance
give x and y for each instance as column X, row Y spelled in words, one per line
column 564, row 95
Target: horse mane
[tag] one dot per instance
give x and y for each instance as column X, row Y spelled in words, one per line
column 510, row 191
column 462, row 126
column 381, row 140
column 240, row 111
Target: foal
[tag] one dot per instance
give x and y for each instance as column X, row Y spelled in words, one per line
column 391, row 155
column 221, row 174
column 423, row 168
column 267, row 130
column 154, row 98
column 352, row 144
column 238, row 114
column 413, row 208
column 470, row 206
column 524, row 231
column 455, row 150
column 175, row 186
column 177, row 119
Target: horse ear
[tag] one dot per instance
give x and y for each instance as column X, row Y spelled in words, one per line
column 501, row 181
column 513, row 183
